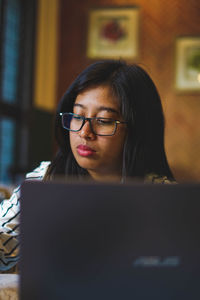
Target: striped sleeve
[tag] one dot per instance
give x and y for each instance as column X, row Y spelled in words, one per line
column 9, row 222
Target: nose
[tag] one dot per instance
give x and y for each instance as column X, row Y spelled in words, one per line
column 86, row 131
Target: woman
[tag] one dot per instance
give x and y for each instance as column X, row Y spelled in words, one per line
column 109, row 127
column 130, row 91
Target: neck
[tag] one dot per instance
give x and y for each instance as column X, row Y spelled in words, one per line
column 105, row 177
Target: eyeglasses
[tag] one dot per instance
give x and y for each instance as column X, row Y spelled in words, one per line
column 99, row 126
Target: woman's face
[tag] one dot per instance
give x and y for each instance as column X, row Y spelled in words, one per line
column 101, row 156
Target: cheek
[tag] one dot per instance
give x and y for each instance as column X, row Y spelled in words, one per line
column 72, row 139
column 114, row 146
column 120, row 140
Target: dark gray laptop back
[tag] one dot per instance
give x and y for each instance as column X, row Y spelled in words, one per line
column 94, row 241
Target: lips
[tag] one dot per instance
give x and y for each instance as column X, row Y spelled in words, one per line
column 85, row 151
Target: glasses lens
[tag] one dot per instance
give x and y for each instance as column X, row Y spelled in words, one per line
column 72, row 121
column 100, row 126
column 103, row 126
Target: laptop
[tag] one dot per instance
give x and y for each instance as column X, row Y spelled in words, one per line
column 108, row 241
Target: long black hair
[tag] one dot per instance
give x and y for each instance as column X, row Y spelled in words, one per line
column 140, row 106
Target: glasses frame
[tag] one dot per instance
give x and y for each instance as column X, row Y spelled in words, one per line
column 90, row 122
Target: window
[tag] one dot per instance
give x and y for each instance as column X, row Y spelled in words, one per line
column 10, row 50
column 7, row 134
column 16, row 56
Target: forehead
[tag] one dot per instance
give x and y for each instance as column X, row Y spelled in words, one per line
column 98, row 96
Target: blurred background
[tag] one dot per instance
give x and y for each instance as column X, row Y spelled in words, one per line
column 44, row 47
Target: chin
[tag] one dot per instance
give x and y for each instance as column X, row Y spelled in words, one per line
column 86, row 164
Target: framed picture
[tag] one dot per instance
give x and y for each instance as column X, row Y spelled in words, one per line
column 113, row 33
column 187, row 69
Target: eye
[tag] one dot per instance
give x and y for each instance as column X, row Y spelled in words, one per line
column 77, row 117
column 105, row 121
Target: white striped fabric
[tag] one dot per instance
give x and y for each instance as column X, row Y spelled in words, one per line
column 9, row 222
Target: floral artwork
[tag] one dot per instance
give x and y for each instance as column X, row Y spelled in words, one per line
column 188, row 64
column 193, row 63
column 113, row 33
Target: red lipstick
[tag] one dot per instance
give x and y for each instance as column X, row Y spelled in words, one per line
column 84, row 150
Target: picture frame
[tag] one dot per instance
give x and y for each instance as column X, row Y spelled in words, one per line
column 113, row 33
column 187, row 63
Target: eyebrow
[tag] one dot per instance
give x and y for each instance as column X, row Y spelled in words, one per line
column 100, row 108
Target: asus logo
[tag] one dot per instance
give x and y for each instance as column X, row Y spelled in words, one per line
column 156, row 261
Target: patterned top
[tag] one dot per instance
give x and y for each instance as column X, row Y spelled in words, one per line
column 9, row 218
column 9, row 222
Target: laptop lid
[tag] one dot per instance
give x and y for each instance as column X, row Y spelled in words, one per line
column 96, row 241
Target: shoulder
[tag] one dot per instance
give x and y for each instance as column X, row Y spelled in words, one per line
column 155, row 178
column 39, row 172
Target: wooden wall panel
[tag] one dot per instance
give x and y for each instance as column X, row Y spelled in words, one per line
column 46, row 55
column 160, row 23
